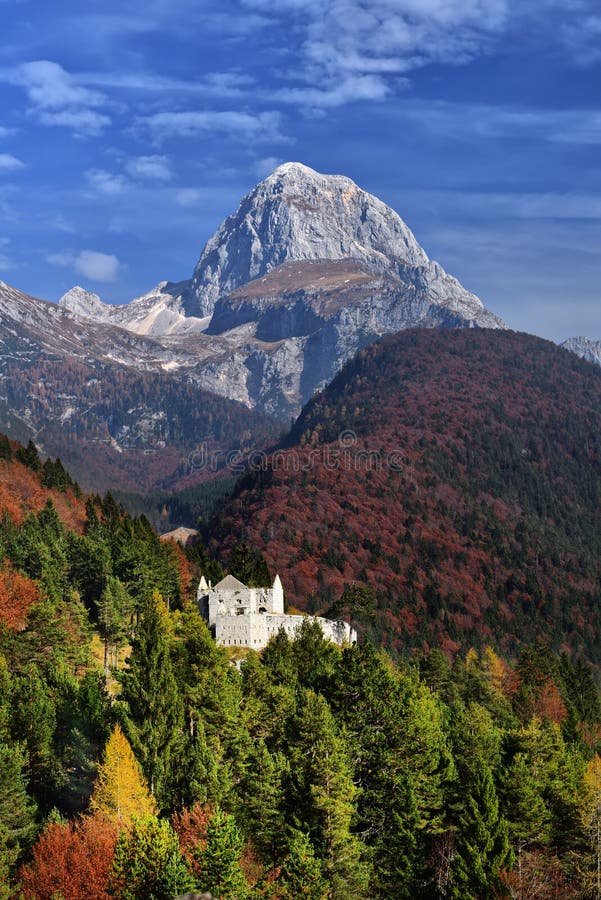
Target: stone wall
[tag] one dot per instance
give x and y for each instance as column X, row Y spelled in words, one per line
column 255, row 630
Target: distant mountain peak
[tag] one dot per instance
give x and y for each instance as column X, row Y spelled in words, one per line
column 299, row 214
column 292, row 167
column 84, row 304
column 585, row 348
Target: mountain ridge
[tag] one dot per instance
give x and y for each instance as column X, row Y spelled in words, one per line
column 308, row 270
column 585, row 348
column 457, row 473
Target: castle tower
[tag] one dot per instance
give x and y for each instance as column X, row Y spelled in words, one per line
column 278, row 596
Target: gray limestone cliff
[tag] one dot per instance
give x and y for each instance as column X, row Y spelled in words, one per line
column 307, row 271
column 585, row 348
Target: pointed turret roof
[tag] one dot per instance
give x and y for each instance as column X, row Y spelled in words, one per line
column 229, row 583
column 277, row 583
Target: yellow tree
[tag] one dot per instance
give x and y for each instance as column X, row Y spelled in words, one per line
column 591, row 814
column 121, row 791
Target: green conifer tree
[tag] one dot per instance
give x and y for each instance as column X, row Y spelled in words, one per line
column 17, row 810
column 482, row 847
column 301, row 872
column 323, row 797
column 261, row 794
column 153, row 705
column 221, row 872
column 6, row 451
column 148, row 863
column 29, row 456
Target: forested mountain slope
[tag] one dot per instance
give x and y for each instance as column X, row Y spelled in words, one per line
column 312, row 770
column 456, row 473
column 119, row 429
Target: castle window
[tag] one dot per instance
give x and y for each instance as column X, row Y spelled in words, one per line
column 262, row 609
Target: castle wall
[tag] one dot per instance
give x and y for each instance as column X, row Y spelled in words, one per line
column 250, row 617
column 255, row 630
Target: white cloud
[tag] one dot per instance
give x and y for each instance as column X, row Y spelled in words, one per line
column 359, row 49
column 91, row 264
column 97, row 266
column 266, row 166
column 105, row 182
column 49, row 86
column 349, row 90
column 214, row 84
column 188, row 197
column 5, row 261
column 9, row 163
column 241, row 125
column 464, row 121
column 150, row 168
column 82, row 121
column 60, row 259
column 56, row 97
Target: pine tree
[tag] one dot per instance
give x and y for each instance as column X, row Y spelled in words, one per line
column 590, row 800
column 250, row 567
column 148, row 863
column 221, row 872
column 198, row 777
column 528, row 817
column 29, row 456
column 17, row 811
column 121, row 792
column 34, row 725
column 6, row 451
column 323, row 797
column 367, row 701
column 301, row 872
column 154, row 711
column 261, row 792
column 114, row 610
column 482, row 837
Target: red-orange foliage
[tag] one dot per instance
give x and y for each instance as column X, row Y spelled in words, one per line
column 539, row 877
column 191, row 828
column 187, row 576
column 71, row 860
column 549, row 704
column 152, row 458
column 17, row 595
column 22, row 492
column 464, row 499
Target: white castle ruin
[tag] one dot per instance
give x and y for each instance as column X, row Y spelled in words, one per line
column 240, row 616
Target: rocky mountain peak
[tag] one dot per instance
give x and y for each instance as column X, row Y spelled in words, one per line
column 585, row 348
column 299, row 214
column 84, row 305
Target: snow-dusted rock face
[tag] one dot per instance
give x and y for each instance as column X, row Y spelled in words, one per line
column 159, row 312
column 85, row 305
column 585, row 348
column 309, row 270
column 295, row 216
column 299, row 214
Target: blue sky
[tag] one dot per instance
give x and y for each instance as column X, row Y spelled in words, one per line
column 129, row 130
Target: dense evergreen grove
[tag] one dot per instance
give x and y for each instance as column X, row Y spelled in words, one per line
column 310, row 771
column 137, row 762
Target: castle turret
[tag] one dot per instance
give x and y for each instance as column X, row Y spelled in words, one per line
column 278, row 596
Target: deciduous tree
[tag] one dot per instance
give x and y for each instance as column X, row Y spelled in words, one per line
column 121, row 792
